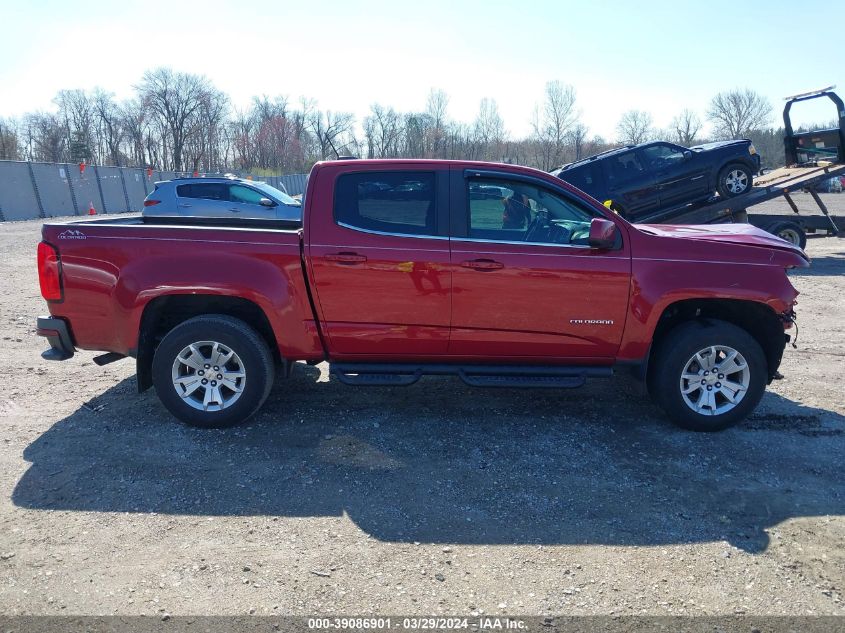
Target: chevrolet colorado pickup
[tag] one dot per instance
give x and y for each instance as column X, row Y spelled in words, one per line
column 501, row 275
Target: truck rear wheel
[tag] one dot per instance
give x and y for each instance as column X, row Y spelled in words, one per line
column 212, row 371
column 789, row 231
column 708, row 375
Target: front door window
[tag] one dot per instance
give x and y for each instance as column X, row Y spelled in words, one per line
column 245, row 195
column 512, row 211
column 659, row 157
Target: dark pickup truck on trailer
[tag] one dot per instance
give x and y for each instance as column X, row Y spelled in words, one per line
column 637, row 180
column 501, row 275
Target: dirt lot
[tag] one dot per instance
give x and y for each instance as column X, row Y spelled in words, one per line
column 431, row 499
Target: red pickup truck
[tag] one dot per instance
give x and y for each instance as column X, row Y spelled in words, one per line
column 501, row 275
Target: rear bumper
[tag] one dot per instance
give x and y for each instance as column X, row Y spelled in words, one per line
column 58, row 336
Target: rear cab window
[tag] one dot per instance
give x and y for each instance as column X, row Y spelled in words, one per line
column 399, row 202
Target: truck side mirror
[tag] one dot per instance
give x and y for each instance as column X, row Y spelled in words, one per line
column 603, row 233
column 687, row 154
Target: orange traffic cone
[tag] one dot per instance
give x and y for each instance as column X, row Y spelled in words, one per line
column 91, row 209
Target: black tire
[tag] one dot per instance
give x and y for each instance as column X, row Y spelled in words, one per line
column 249, row 348
column 789, row 231
column 679, row 346
column 724, row 188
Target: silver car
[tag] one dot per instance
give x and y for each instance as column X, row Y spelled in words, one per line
column 226, row 197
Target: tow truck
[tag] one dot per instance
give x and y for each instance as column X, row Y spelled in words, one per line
column 812, row 158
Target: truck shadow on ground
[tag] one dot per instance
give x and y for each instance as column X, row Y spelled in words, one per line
column 442, row 462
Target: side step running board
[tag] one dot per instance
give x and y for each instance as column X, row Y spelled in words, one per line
column 548, row 382
column 533, row 376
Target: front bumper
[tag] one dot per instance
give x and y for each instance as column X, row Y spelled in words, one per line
column 58, row 336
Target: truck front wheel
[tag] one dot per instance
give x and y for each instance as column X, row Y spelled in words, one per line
column 708, row 375
column 212, row 371
column 734, row 180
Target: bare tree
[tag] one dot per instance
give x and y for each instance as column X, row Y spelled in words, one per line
column 552, row 122
column 269, row 119
column 110, row 122
column 242, row 133
column 736, row 113
column 203, row 146
column 634, row 127
column 327, row 127
column 489, row 130
column 435, row 108
column 9, row 143
column 576, row 139
column 134, row 122
column 179, row 122
column 76, row 111
column 416, row 126
column 382, row 132
column 47, row 137
column 685, row 127
column 176, row 100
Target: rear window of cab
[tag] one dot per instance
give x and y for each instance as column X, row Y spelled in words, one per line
column 391, row 202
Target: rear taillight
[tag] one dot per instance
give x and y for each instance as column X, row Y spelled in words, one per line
column 49, row 272
column 151, row 203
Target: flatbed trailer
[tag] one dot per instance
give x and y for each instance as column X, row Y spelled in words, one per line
column 780, row 183
column 815, row 157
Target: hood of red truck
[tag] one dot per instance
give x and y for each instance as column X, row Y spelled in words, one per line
column 742, row 234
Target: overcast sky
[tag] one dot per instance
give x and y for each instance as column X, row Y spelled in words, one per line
column 660, row 56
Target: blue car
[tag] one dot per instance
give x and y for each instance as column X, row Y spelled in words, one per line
column 226, row 197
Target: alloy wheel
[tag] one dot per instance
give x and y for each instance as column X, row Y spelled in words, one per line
column 715, row 380
column 736, row 181
column 208, row 376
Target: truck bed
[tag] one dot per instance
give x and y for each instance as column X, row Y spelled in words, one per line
column 114, row 268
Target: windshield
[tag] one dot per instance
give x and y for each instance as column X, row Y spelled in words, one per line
column 281, row 196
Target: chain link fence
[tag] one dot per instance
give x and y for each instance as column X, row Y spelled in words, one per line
column 45, row 190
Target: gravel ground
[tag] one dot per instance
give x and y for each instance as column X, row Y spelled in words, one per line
column 437, row 498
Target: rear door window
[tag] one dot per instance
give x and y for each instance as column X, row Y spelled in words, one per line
column 624, row 168
column 204, row 191
column 586, row 177
column 392, row 202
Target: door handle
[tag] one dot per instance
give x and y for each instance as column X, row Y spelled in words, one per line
column 482, row 264
column 184, row 205
column 346, row 258
column 234, row 209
